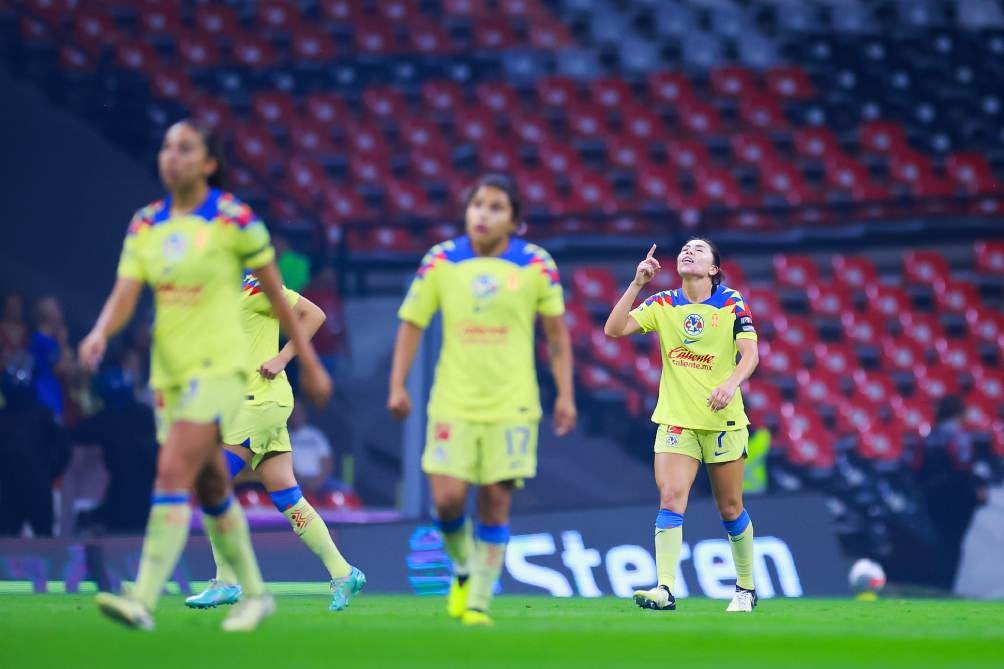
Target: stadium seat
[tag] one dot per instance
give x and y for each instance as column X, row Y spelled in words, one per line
column 936, row 381
column 915, row 414
column 925, row 268
column 856, row 271
column 835, row 358
column 880, row 444
column 990, row 257
column 795, row 271
column 594, row 286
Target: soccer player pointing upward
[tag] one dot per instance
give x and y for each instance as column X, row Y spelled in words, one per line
column 701, row 326
column 485, row 405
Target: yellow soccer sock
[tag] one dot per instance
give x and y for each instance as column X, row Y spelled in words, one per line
column 458, row 540
column 166, row 534
column 741, row 539
column 489, row 556
column 668, row 543
column 227, row 528
column 224, row 572
column 311, row 529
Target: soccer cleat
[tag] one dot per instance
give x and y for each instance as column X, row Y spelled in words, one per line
column 475, row 618
column 248, row 613
column 217, row 593
column 345, row 588
column 657, row 599
column 127, row 611
column 744, row 601
column 456, row 600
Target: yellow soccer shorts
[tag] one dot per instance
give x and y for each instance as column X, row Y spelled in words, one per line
column 481, row 453
column 707, row 446
column 215, row 399
column 260, row 428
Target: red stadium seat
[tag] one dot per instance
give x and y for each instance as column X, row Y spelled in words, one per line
column 610, row 93
column 304, row 181
column 327, row 108
column 560, row 158
column 586, row 121
column 642, row 123
column 936, row 381
column 718, row 186
column 72, row 59
column 537, row 187
column 374, row 38
column 549, row 35
column 312, row 45
column 800, row 422
column 94, row 30
column 925, row 268
column 428, row 37
column 990, row 257
column 855, row 415
column 443, row 95
column 914, row 414
column 348, row 12
column 345, row 204
column 580, row 324
column 832, row 299
column 594, row 286
column 474, row 124
column 881, row 137
column 865, row 329
column 688, row 154
column 198, row 50
column 311, row 137
column 422, row 134
column 989, row 381
column 367, row 139
column 753, row 149
column 497, row 155
column 955, row 353
column 874, row 388
column 846, row 174
column 554, row 91
column 136, row 55
column 855, row 271
column 649, row 373
column 384, row 102
column 494, row 35
column 616, row 354
column 216, row 19
column 789, row 83
column 699, row 117
column 779, row 358
column 670, row 88
column 972, row 172
column 596, row 379
column 497, row 96
column 173, row 84
column 733, row 276
column 763, row 402
column 886, row 300
column 276, row 16
column 981, row 412
column 369, row 168
column 922, row 328
column 384, row 240
column 812, row 451
column 818, row 386
column 900, row 353
column 406, row 198
column 255, row 147
column 762, row 112
column 530, row 128
column 732, row 81
column 398, row 11
column 985, row 324
column 879, row 444
column 795, row 270
column 273, row 107
column 835, row 358
column 816, row 143
column 797, row 332
column 591, row 192
column 764, row 304
column 160, row 19
column 956, row 297
column 253, row 52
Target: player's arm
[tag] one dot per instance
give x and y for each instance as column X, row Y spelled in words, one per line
column 316, row 382
column 118, row 310
column 619, row 322
column 559, row 349
column 310, row 317
column 406, row 344
column 749, row 358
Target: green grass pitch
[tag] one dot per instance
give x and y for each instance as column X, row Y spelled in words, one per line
column 65, row 631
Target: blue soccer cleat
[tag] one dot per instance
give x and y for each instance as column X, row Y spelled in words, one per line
column 217, row 593
column 345, row 588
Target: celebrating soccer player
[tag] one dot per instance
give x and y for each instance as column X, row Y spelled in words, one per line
column 191, row 248
column 485, row 406
column 259, row 437
column 701, row 326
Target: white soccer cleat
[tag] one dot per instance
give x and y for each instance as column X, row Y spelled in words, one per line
column 248, row 613
column 657, row 599
column 744, row 601
column 124, row 610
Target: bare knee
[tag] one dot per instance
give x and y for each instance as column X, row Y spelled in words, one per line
column 449, row 502
column 494, row 501
column 673, row 498
column 212, row 485
column 174, row 473
column 730, row 508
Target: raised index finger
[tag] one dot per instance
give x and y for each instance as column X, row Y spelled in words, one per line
column 651, row 252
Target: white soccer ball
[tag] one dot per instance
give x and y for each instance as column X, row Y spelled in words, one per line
column 866, row 576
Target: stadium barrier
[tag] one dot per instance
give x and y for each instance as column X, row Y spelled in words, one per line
column 585, row 553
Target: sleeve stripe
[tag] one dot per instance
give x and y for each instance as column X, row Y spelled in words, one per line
column 254, row 253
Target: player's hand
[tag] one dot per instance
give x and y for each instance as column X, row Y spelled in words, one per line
column 92, row 350
column 399, row 403
column 565, row 415
column 272, row 368
column 647, row 268
column 721, row 396
column 315, row 382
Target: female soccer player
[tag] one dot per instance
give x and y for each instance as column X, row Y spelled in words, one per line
column 191, row 248
column 485, row 405
column 259, row 437
column 701, row 326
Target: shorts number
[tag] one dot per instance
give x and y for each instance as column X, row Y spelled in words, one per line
column 517, row 438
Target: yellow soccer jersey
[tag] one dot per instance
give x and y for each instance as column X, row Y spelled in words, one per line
column 194, row 264
column 486, row 370
column 698, row 355
column 262, row 330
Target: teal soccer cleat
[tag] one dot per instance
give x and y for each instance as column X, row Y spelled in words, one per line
column 345, row 588
column 217, row 593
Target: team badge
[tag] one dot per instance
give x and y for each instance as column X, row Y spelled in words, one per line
column 693, row 325
column 175, row 247
column 484, row 286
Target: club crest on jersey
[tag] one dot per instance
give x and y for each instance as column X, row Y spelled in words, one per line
column 693, row 325
column 175, row 247
column 484, row 286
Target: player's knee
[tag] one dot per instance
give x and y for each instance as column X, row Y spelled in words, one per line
column 449, row 504
column 174, row 474
column 212, row 487
column 673, row 498
column 730, row 509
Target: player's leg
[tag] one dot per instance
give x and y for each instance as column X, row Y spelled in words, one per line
column 184, row 452
column 727, row 486
column 491, row 539
column 276, row 472
column 450, row 461
column 675, row 468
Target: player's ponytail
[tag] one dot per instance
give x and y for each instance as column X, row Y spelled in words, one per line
column 716, row 258
column 214, row 149
column 507, row 186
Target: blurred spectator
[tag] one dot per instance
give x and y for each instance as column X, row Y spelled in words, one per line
column 950, row 489
column 330, row 341
column 124, row 429
column 34, row 450
column 312, row 455
column 50, row 349
column 293, row 265
column 13, row 330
